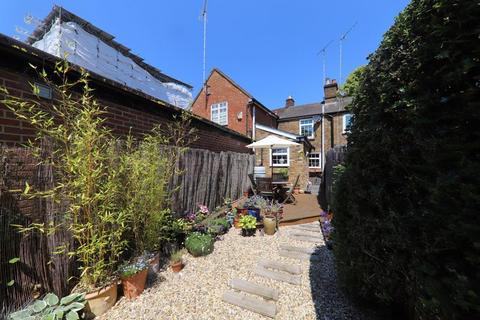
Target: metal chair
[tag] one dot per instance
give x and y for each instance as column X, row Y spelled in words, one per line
column 289, row 194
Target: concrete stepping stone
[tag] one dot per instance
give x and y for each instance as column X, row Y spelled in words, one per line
column 307, row 238
column 253, row 288
column 306, row 233
column 306, row 229
column 278, row 275
column 297, row 249
column 298, row 255
column 257, row 305
column 270, row 264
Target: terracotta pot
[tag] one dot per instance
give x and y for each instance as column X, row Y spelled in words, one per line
column 242, row 211
column 176, row 266
column 245, row 193
column 134, row 285
column 296, row 190
column 270, row 225
column 99, row 301
column 236, row 222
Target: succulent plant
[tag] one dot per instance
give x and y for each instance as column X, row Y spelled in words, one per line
column 129, row 269
column 52, row 308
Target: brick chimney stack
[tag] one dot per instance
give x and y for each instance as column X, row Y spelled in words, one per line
column 289, row 102
column 330, row 90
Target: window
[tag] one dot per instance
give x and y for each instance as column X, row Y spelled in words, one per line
column 306, row 128
column 279, row 157
column 44, row 91
column 347, row 121
column 219, row 113
column 314, row 160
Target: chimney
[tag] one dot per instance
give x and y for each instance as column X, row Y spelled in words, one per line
column 289, row 102
column 330, row 90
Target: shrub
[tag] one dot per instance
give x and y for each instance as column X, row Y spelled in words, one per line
column 199, row 244
column 407, row 228
column 218, row 226
column 248, row 222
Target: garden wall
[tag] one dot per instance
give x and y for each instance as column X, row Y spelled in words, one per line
column 207, row 178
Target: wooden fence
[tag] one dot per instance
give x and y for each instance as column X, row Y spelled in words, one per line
column 333, row 157
column 208, row 178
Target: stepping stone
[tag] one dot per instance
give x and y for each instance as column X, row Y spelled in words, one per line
column 257, row 305
column 298, row 255
column 307, row 238
column 297, row 249
column 306, row 234
column 307, row 229
column 277, row 275
column 270, row 264
column 253, row 288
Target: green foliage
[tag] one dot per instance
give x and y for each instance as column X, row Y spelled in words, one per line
column 407, row 228
column 199, row 244
column 149, row 167
column 248, row 222
column 72, row 139
column 52, row 308
column 353, row 81
column 218, row 226
column 176, row 256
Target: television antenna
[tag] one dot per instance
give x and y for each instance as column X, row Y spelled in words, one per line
column 204, row 16
column 30, row 19
column 342, row 38
column 323, row 51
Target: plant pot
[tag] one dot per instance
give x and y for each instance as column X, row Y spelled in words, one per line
column 100, row 301
column 245, row 193
column 134, row 285
column 248, row 232
column 242, row 212
column 176, row 266
column 254, row 212
column 236, row 222
column 270, row 225
column 154, row 263
column 296, row 190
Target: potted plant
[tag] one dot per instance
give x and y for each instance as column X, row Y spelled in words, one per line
column 199, row 244
column 134, row 277
column 254, row 206
column 270, row 222
column 51, row 307
column 248, row 224
column 242, row 208
column 176, row 261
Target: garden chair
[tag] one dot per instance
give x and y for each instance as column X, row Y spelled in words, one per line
column 289, row 194
column 265, row 187
column 254, row 185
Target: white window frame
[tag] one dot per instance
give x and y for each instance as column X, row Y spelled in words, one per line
column 300, row 125
column 218, row 106
column 278, row 164
column 319, row 160
column 345, row 129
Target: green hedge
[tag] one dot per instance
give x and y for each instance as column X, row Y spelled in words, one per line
column 407, row 208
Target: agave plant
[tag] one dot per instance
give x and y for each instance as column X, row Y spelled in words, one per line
column 52, row 308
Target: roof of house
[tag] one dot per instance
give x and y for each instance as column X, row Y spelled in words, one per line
column 32, row 54
column 258, row 103
column 312, row 109
column 67, row 16
column 286, row 134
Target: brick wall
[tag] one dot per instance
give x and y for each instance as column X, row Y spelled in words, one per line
column 125, row 111
column 221, row 90
column 298, row 162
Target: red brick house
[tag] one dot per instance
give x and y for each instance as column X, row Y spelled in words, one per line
column 226, row 103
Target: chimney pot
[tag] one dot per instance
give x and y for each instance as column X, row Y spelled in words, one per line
column 289, row 102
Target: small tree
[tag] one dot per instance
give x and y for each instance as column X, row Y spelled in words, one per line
column 81, row 151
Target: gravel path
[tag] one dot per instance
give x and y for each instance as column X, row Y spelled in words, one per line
column 195, row 292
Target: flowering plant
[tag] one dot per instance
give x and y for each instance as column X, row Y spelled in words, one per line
column 127, row 270
column 257, row 202
column 203, row 209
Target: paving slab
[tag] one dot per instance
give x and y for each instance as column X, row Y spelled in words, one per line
column 257, row 305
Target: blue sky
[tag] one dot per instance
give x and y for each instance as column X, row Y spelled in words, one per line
column 269, row 47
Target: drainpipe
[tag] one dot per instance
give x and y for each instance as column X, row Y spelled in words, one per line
column 253, row 122
column 323, row 136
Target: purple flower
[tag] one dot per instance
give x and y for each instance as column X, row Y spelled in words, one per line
column 203, row 209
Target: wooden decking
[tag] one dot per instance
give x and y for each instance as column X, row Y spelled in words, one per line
column 306, row 210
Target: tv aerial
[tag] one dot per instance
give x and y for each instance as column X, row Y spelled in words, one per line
column 323, row 51
column 342, row 38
